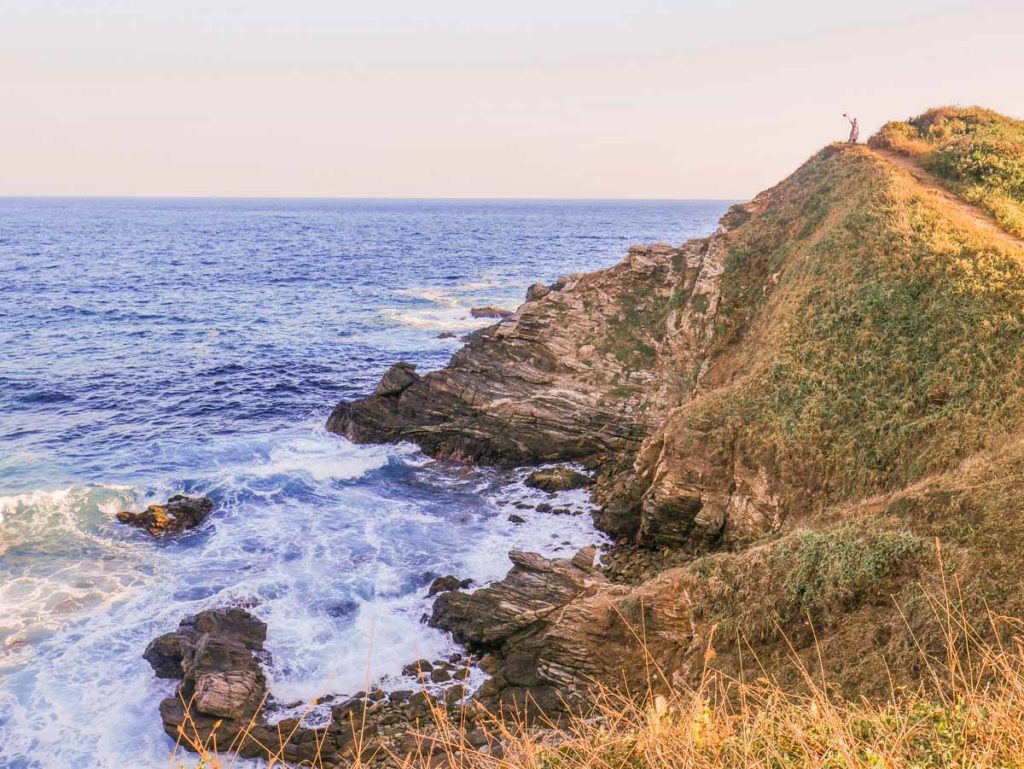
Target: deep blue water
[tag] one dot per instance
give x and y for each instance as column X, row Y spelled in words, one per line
column 150, row 347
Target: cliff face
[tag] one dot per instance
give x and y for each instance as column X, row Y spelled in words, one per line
column 802, row 404
column 843, row 334
column 581, row 371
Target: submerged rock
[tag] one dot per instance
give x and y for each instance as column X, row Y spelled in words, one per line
column 180, row 514
column 490, row 311
column 557, row 479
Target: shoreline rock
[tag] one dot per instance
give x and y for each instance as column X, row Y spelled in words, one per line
column 223, row 695
column 490, row 311
column 583, row 371
column 555, row 479
column 181, row 513
column 446, row 584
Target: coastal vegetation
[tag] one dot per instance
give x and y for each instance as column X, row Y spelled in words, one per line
column 978, row 151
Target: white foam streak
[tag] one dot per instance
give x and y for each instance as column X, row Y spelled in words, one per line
column 334, row 558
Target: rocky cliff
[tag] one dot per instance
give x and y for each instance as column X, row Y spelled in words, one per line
column 791, row 401
column 821, row 346
column 805, row 431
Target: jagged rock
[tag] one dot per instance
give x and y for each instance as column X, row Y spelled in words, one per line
column 489, row 311
column 516, row 519
column 396, row 379
column 554, row 479
column 225, row 676
column 447, row 335
column 537, row 291
column 550, row 626
column 223, row 697
column 534, row 587
column 165, row 654
column 562, row 379
column 447, row 583
column 417, row 668
column 213, row 653
column 180, row 514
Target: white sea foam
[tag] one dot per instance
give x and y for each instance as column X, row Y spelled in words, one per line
column 321, row 459
column 433, row 295
column 335, row 561
column 433, row 320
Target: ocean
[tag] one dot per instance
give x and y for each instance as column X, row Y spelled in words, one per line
column 158, row 346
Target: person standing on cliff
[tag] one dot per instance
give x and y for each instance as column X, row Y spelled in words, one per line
column 854, row 129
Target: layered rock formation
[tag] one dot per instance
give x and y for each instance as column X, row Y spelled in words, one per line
column 578, row 372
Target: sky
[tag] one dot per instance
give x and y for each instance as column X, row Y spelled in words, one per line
column 461, row 98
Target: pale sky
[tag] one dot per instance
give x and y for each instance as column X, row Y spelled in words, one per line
column 472, row 98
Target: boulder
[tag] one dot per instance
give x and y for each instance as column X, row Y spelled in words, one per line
column 227, row 679
column 537, row 291
column 490, row 311
column 180, row 514
column 397, row 378
column 448, row 583
column 557, row 479
column 551, row 627
column 213, row 653
column 533, row 588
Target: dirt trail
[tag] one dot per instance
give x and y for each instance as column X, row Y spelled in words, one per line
column 936, row 186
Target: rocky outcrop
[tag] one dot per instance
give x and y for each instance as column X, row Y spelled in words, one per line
column 575, row 373
column 180, row 514
column 638, row 371
column 398, row 378
column 446, row 583
column 554, row 479
column 223, row 701
column 214, row 655
column 551, row 630
column 537, row 291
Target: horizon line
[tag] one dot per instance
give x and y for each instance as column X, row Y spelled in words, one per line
column 4, row 197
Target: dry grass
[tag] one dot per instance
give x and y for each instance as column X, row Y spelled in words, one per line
column 967, row 712
column 978, row 151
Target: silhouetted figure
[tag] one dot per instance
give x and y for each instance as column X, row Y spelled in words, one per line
column 854, row 129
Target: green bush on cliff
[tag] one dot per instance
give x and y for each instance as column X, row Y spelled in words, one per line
column 980, row 152
column 831, row 569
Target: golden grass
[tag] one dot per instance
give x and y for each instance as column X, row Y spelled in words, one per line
column 968, row 712
column 978, row 151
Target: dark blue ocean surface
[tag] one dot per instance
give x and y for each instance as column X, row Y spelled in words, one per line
column 150, row 347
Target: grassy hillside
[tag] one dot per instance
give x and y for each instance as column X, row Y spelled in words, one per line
column 869, row 335
column 979, row 152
